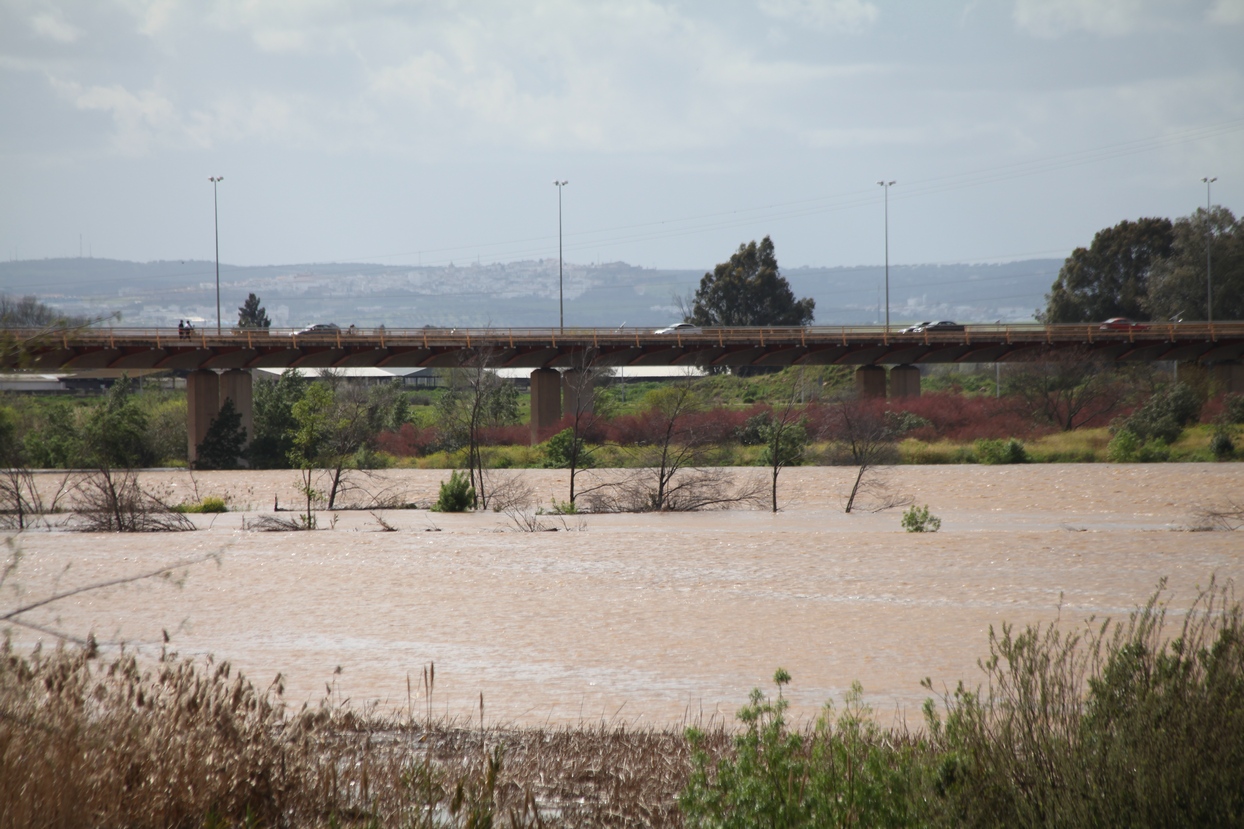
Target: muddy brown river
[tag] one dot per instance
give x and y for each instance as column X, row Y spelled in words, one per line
column 653, row 618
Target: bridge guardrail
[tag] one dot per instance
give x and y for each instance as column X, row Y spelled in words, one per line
column 1013, row 332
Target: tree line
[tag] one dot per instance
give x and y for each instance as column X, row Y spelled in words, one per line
column 1154, row 269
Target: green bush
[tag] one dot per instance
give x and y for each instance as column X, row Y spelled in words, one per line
column 1165, row 414
column 1233, row 408
column 1000, row 451
column 1124, row 447
column 1118, row 724
column 456, row 494
column 842, row 773
column 920, row 520
column 902, row 422
column 1221, row 446
column 562, row 447
column 210, row 504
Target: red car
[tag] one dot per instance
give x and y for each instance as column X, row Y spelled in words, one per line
column 1123, row 324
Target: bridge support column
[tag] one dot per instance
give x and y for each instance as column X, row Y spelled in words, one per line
column 202, row 404
column 870, row 381
column 904, row 381
column 546, row 402
column 578, row 392
column 236, row 385
column 1228, row 378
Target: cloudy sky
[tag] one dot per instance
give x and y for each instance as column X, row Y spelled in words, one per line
column 430, row 131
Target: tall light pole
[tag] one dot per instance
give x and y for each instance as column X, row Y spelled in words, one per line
column 1209, row 247
column 561, row 305
column 216, row 221
column 886, row 185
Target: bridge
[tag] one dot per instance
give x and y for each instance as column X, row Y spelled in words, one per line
column 234, row 352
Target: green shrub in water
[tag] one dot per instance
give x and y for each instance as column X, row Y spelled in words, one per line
column 456, row 494
column 207, row 505
column 920, row 520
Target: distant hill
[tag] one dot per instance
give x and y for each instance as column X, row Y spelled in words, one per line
column 515, row 294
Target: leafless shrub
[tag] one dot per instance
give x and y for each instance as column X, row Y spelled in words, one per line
column 1229, row 517
column 687, row 490
column 385, row 526
column 277, row 524
column 877, row 493
column 860, row 437
column 525, row 521
column 112, row 500
column 508, row 491
column 21, row 505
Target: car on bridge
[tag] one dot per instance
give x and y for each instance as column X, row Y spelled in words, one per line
column 933, row 327
column 680, row 328
column 1122, row 324
column 321, row 328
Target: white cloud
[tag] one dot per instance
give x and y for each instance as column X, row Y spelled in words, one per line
column 1051, row 18
column 827, row 15
column 1227, row 12
column 140, row 119
column 52, row 25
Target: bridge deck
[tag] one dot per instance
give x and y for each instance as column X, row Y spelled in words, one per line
column 147, row 348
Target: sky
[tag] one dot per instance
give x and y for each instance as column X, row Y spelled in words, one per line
column 431, row 132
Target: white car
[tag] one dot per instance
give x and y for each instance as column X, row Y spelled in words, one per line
column 680, row 328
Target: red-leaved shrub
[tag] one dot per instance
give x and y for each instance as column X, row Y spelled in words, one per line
column 408, row 441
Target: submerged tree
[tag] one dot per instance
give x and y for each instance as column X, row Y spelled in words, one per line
column 749, row 290
column 476, row 399
column 866, row 440
column 782, row 432
column 573, row 447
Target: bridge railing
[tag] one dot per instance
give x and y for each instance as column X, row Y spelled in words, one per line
column 432, row 337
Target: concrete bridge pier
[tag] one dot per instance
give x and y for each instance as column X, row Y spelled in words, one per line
column 236, row 385
column 546, row 402
column 202, row 404
column 904, row 381
column 206, row 392
column 870, row 381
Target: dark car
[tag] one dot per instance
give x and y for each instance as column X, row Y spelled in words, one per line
column 1122, row 324
column 944, row 325
column 320, row 328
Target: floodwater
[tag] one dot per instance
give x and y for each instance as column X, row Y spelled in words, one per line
column 650, row 619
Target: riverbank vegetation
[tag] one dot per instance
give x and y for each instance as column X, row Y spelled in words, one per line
column 1065, row 411
column 1131, row 722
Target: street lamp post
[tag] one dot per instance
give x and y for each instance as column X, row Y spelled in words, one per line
column 216, row 221
column 561, row 305
column 1209, row 247
column 885, row 185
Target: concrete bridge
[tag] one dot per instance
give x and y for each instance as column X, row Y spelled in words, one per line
column 219, row 364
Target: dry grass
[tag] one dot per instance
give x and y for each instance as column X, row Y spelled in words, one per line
column 87, row 741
